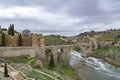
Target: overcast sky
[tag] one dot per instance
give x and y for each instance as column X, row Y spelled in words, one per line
column 60, row 16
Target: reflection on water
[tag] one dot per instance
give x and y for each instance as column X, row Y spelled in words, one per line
column 94, row 69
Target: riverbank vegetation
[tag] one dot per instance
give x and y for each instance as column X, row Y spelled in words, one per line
column 107, row 51
column 111, row 54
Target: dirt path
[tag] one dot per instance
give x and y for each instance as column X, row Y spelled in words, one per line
column 13, row 74
column 41, row 72
column 45, row 74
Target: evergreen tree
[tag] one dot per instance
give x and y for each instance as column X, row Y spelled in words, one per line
column 5, row 71
column 51, row 63
column 118, row 35
column 0, row 30
column 20, row 40
column 3, row 39
column 12, row 30
column 9, row 30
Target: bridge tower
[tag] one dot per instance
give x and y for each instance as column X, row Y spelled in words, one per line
column 37, row 40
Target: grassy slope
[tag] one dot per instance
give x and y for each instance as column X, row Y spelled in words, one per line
column 24, row 60
column 61, row 70
column 105, row 50
column 109, row 52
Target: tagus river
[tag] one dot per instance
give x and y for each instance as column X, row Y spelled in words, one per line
column 94, row 69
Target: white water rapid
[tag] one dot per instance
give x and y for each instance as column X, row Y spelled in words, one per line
column 95, row 69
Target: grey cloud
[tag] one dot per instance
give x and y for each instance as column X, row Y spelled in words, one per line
column 52, row 3
column 78, row 8
column 33, row 24
column 90, row 11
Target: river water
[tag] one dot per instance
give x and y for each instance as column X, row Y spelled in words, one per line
column 94, row 69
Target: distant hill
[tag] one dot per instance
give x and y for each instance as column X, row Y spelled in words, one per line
column 108, row 35
column 55, row 40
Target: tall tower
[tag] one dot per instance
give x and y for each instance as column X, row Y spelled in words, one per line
column 41, row 41
column 37, row 40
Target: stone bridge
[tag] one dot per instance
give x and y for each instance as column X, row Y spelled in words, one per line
column 62, row 52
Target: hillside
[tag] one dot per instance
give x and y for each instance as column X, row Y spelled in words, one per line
column 108, row 35
column 113, row 35
column 55, row 40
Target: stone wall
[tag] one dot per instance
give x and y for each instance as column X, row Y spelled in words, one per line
column 34, row 40
column 11, row 40
column 27, row 40
column 19, row 51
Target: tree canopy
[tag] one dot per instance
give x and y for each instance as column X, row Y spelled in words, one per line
column 3, row 39
column 11, row 30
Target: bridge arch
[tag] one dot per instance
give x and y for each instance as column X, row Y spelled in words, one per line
column 62, row 52
column 47, row 53
column 83, row 49
column 59, row 53
column 77, row 48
